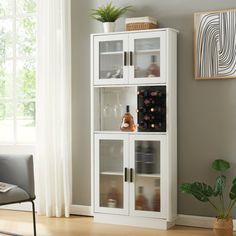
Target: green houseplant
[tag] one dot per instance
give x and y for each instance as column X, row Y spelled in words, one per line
column 216, row 196
column 108, row 14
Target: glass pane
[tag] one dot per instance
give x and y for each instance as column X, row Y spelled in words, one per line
column 6, row 122
column 6, row 69
column 25, row 6
column 147, row 178
column 26, row 37
column 111, row 173
column 111, row 60
column 147, row 57
column 26, row 122
column 6, row 39
column 26, row 79
column 6, row 7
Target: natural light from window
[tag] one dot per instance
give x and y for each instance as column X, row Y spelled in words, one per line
column 17, row 71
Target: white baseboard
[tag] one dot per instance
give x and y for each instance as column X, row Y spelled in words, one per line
column 81, row 210
column 184, row 220
column 74, row 209
column 197, row 221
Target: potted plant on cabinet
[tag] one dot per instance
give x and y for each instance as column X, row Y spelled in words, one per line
column 223, row 225
column 108, row 15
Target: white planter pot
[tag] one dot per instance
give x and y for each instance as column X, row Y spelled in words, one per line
column 109, row 27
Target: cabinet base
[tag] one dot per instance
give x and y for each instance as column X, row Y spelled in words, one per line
column 133, row 221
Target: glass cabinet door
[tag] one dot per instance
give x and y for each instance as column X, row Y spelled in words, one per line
column 148, row 188
column 111, row 65
column 111, row 174
column 147, row 58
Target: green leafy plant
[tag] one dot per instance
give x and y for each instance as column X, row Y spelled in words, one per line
column 109, row 13
column 206, row 193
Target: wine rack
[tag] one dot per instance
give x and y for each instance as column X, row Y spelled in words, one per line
column 151, row 108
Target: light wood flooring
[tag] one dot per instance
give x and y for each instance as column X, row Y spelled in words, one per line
column 21, row 223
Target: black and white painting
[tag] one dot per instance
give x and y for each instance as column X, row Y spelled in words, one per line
column 215, row 44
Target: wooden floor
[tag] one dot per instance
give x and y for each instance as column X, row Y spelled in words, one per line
column 21, row 223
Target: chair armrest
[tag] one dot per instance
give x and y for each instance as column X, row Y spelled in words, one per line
column 18, row 170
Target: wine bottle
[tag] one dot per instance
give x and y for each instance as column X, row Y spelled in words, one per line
column 146, row 117
column 127, row 123
column 141, row 201
column 142, row 109
column 153, row 70
column 147, row 101
column 139, row 159
column 148, row 158
column 156, row 201
column 156, row 94
column 112, row 196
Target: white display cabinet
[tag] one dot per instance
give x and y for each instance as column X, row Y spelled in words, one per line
column 134, row 174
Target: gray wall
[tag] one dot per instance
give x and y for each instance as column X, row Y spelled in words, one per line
column 206, row 109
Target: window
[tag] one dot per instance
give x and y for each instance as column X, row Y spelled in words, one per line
column 17, row 71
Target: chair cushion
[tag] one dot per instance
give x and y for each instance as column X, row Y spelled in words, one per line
column 13, row 195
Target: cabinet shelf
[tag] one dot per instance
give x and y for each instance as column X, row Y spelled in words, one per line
column 130, row 133
column 112, row 53
column 148, row 51
column 111, row 173
column 149, row 175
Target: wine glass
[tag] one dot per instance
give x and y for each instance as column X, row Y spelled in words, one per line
column 118, row 108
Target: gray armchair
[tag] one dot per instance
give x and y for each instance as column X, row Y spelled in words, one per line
column 18, row 170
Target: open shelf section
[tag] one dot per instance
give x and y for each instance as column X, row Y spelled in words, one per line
column 110, row 105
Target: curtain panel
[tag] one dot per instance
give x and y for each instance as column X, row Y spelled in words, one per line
column 53, row 108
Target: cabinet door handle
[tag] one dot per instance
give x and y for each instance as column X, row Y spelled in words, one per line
column 131, row 175
column 131, row 58
column 125, row 58
column 126, row 174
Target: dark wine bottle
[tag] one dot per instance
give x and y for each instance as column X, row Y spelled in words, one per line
column 148, row 159
column 156, row 201
column 139, row 159
column 156, row 94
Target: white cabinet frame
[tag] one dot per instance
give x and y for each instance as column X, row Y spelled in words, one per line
column 163, row 176
column 98, row 208
column 145, row 80
column 110, row 38
column 168, row 140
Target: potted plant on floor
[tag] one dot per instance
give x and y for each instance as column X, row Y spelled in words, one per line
column 223, row 225
column 108, row 15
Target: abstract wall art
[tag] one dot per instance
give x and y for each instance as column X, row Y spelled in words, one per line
column 215, row 44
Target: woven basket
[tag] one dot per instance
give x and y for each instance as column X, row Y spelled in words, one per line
column 140, row 26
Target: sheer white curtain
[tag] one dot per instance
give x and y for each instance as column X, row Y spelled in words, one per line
column 53, row 108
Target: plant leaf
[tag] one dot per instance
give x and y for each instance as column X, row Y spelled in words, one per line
column 220, row 165
column 232, row 193
column 200, row 191
column 219, row 185
column 109, row 13
column 234, row 181
column 186, row 188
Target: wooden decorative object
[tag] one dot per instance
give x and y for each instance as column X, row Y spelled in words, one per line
column 140, row 23
column 215, row 44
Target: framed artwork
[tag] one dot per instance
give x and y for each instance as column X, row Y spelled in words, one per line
column 215, row 44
